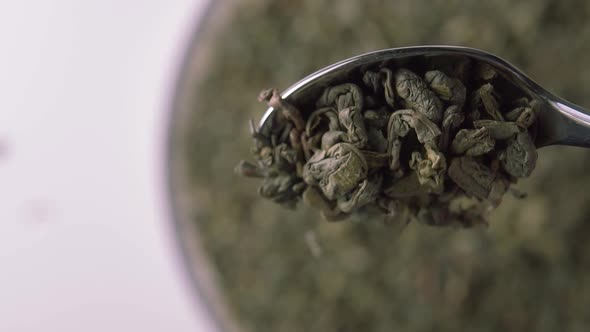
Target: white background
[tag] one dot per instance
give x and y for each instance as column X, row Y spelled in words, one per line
column 85, row 240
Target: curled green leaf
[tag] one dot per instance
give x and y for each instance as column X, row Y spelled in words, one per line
column 337, row 171
column 472, row 142
column 416, row 95
column 474, row 178
column 520, row 156
column 342, row 96
column 447, row 88
column 498, row 129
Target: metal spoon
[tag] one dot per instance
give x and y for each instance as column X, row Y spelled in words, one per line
column 559, row 123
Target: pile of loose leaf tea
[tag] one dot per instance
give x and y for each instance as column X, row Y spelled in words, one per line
column 440, row 143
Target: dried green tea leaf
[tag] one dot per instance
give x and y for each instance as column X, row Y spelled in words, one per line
column 520, row 156
column 352, row 120
column 274, row 100
column 388, row 86
column 400, row 124
column 485, row 71
column 447, row 88
column 328, row 115
column 526, row 118
column 381, row 83
column 337, row 171
column 284, row 156
column 498, row 129
column 402, row 120
column 342, row 96
column 485, row 96
column 473, row 177
column 472, row 142
column 408, row 186
column 364, row 194
column 523, row 116
column 452, row 119
column 417, row 95
column 280, row 189
column 430, row 168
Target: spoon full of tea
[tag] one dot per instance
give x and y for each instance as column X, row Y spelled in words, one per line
column 559, row 121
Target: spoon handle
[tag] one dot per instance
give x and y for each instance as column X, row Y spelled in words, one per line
column 573, row 127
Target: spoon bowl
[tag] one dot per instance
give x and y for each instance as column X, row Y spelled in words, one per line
column 559, row 121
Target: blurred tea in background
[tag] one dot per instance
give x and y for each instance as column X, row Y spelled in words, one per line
column 281, row 270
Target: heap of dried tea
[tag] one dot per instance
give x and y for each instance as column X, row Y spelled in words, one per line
column 439, row 144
